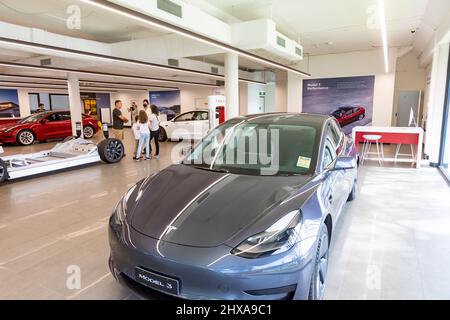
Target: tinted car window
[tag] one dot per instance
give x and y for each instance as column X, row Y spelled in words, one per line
column 54, row 117
column 258, row 149
column 201, row 115
column 65, row 115
column 185, row 117
column 329, row 153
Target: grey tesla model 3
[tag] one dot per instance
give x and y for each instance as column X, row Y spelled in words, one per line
column 247, row 214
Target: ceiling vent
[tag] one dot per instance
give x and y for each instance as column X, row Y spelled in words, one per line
column 220, row 83
column 281, row 42
column 170, row 7
column 214, row 70
column 299, row 51
column 173, row 62
column 46, row 62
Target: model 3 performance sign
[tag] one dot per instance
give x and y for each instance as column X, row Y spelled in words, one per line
column 156, row 281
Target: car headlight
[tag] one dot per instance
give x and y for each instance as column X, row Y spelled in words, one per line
column 280, row 237
column 9, row 130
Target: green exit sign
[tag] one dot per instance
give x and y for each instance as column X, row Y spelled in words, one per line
column 262, row 94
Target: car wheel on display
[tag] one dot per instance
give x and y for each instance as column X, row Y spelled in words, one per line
column 162, row 135
column 88, row 132
column 111, row 150
column 25, row 137
column 3, row 171
column 361, row 116
column 317, row 287
column 352, row 195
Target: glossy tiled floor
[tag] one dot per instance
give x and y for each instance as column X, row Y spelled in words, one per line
column 393, row 242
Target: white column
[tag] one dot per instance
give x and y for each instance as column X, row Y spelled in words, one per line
column 232, row 84
column 295, row 92
column 436, row 103
column 74, row 101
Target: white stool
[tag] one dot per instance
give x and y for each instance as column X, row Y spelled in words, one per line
column 368, row 140
column 397, row 152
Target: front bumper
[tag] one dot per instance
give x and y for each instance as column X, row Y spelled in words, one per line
column 209, row 273
column 9, row 137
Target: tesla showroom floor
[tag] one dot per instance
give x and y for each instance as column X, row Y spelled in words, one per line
column 391, row 243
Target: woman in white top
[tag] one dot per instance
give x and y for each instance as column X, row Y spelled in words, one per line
column 154, row 128
column 144, row 138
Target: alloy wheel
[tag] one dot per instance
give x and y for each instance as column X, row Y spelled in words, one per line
column 114, row 150
column 88, row 132
column 322, row 268
column 26, row 138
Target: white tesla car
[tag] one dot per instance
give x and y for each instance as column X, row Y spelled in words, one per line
column 188, row 125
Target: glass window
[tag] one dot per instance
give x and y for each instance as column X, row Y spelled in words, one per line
column 34, row 101
column 59, row 101
column 65, row 116
column 185, row 117
column 54, row 117
column 329, row 153
column 258, row 148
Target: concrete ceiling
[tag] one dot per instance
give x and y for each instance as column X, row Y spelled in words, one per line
column 324, row 26
column 51, row 15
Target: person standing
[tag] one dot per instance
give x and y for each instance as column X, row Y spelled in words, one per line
column 137, row 136
column 41, row 108
column 133, row 110
column 144, row 136
column 146, row 108
column 154, row 128
column 118, row 120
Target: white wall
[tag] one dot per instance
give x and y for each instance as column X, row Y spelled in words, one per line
column 255, row 102
column 194, row 97
column 127, row 97
column 410, row 76
column 362, row 63
column 24, row 103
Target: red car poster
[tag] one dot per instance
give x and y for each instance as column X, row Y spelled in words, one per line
column 349, row 99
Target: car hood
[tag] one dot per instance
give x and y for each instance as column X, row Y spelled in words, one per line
column 8, row 126
column 194, row 207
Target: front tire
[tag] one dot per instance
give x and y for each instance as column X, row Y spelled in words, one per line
column 318, row 279
column 88, row 132
column 3, row 171
column 26, row 137
column 111, row 150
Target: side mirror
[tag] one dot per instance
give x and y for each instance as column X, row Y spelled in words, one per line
column 345, row 163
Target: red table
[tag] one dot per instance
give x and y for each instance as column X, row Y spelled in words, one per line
column 394, row 135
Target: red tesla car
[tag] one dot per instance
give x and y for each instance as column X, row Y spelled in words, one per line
column 44, row 126
column 349, row 114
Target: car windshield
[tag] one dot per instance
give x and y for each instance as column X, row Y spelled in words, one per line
column 257, row 148
column 32, row 118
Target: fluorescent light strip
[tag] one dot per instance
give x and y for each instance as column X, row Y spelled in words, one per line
column 86, row 81
column 382, row 18
column 171, row 28
column 65, row 86
column 33, row 45
column 103, row 74
column 51, row 88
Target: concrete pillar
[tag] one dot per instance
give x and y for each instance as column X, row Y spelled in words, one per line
column 294, row 92
column 232, row 84
column 436, row 103
column 74, row 102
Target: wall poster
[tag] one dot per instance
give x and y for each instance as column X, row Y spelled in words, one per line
column 349, row 99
